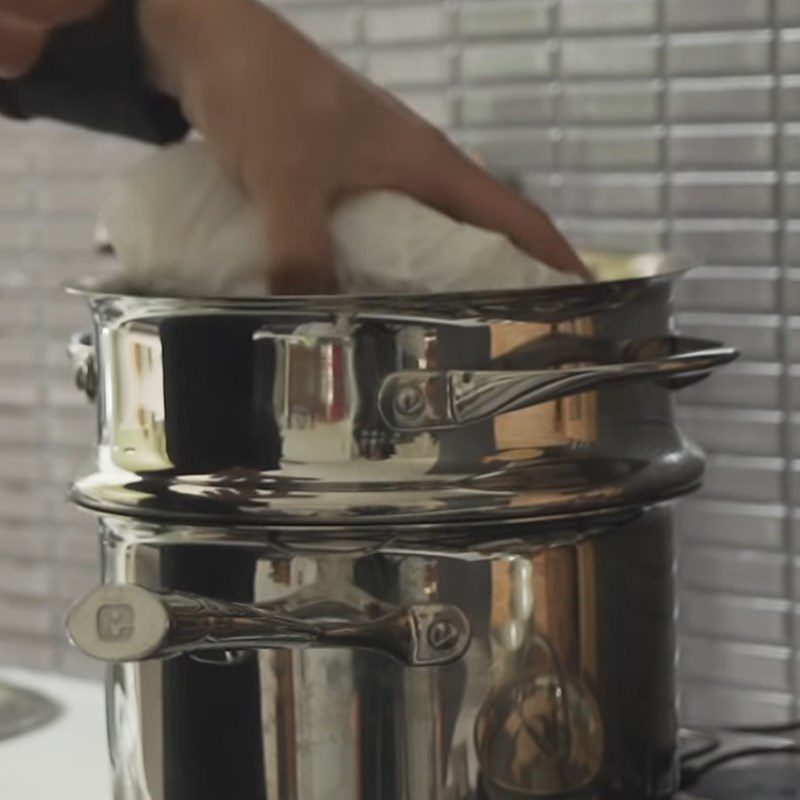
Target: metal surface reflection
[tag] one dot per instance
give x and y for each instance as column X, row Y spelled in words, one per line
column 559, row 694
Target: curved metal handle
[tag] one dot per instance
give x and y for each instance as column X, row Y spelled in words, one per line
column 82, row 354
column 128, row 623
column 417, row 401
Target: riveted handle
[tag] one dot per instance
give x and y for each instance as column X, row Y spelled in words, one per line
column 82, row 354
column 128, row 623
column 429, row 400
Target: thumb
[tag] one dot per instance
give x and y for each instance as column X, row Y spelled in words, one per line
column 301, row 247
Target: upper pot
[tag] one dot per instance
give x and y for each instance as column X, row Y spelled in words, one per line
column 374, row 409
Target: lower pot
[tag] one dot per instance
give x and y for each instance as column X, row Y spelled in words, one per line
column 536, row 661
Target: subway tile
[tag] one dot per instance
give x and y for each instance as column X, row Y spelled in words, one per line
column 719, row 53
column 791, row 194
column 605, row 103
column 747, row 479
column 25, row 577
column 720, row 100
column 724, row 194
column 543, row 188
column 16, row 236
column 333, row 26
column 24, row 538
column 406, row 23
column 740, row 663
column 789, row 12
column 631, row 149
column 716, row 14
column 77, row 543
column 23, row 650
column 19, row 352
column 19, row 308
column 758, row 432
column 482, row 62
column 725, row 289
column 63, row 395
column 351, row 55
column 751, row 526
column 512, row 151
column 20, row 500
column 507, row 105
column 793, row 293
column 790, row 97
column 608, row 15
column 633, row 57
column 792, row 243
column 630, row 235
column 722, row 146
column 71, row 429
column 63, row 317
column 24, row 615
column 794, row 386
column 18, row 390
column 614, row 195
column 72, row 662
column 727, row 241
column 755, row 619
column 410, row 67
column 754, row 335
column 63, row 463
column 743, row 384
column 20, row 427
column 790, row 50
column 503, row 17
column 74, row 580
column 715, row 704
column 744, row 572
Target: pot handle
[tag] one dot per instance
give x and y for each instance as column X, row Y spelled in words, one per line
column 430, row 400
column 128, row 623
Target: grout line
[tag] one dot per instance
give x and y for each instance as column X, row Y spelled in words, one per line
column 791, row 539
column 559, row 122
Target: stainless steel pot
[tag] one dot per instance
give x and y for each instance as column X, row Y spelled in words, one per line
column 389, row 548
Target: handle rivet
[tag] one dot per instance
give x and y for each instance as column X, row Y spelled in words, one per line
column 409, row 400
column 443, row 635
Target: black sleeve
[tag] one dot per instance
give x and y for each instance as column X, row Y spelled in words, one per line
column 92, row 74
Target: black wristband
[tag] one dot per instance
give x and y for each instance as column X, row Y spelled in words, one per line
column 92, row 74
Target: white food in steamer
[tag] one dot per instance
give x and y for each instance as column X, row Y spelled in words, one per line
column 180, row 228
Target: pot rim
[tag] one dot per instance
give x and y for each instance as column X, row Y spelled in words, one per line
column 611, row 268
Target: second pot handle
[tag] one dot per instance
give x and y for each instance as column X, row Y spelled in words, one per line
column 430, row 400
column 127, row 623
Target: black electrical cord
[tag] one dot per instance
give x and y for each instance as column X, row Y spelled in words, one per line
column 691, row 775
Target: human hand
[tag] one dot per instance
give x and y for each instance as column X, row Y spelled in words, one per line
column 298, row 131
column 26, row 24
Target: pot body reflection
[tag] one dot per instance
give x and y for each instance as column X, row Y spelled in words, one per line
column 566, row 689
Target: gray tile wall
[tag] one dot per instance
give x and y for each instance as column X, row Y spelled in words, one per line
column 640, row 124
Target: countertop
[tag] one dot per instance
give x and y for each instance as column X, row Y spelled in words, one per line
column 67, row 758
